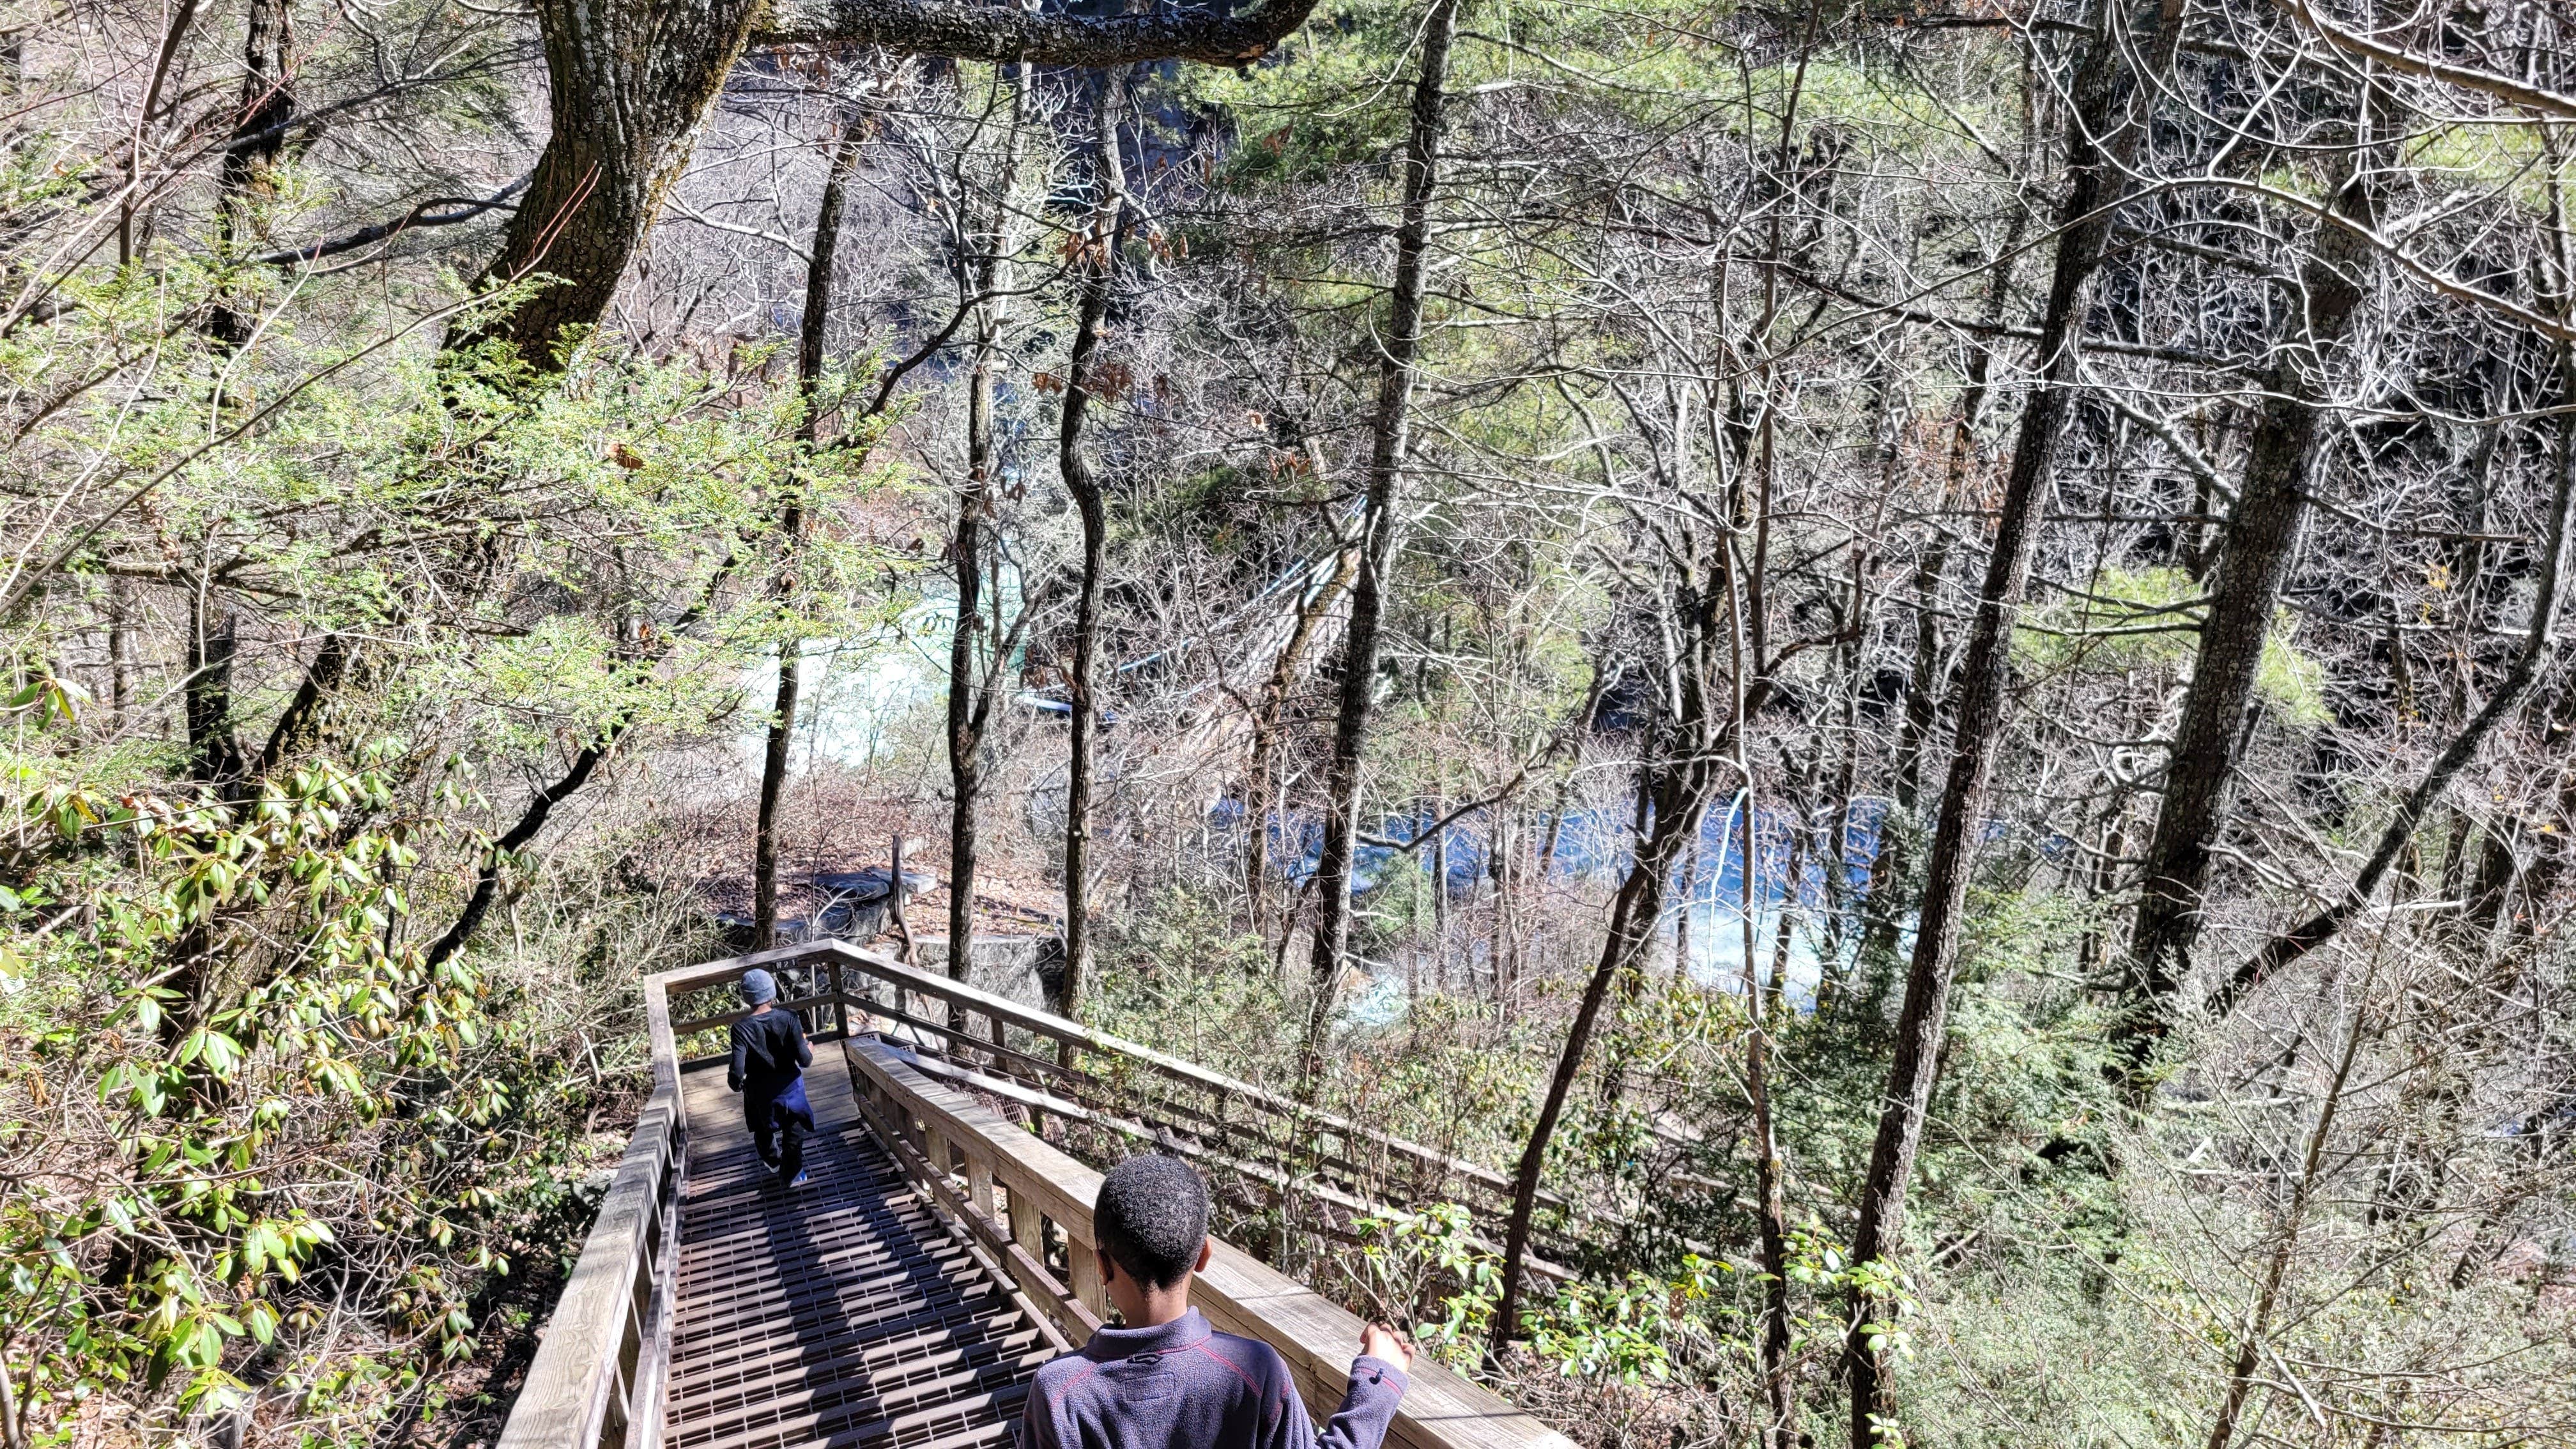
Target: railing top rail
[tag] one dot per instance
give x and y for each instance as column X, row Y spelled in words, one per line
column 1002, row 1008
column 582, row 1382
column 1237, row 1292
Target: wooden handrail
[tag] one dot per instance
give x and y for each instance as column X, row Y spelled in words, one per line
column 1038, row 1100
column 1301, row 1139
column 1237, row 1293
column 931, row 1123
column 596, row 1381
column 1001, row 1010
column 598, row 1376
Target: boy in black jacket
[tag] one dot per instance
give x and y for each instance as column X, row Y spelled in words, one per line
column 769, row 1061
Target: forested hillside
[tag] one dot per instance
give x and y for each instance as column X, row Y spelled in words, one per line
column 1910, row 658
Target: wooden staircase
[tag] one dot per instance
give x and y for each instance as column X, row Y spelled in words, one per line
column 941, row 1251
column 843, row 1312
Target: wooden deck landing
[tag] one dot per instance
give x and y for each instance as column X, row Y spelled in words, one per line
column 842, row 1313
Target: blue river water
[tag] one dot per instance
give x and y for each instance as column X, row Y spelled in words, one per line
column 1600, row 846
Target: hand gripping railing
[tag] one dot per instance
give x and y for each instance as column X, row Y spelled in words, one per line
column 597, row 1379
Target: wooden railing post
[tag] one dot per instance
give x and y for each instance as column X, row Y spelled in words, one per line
column 1084, row 1258
column 1027, row 1225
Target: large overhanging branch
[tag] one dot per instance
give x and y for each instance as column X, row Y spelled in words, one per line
column 1005, row 32
column 2370, row 47
column 2394, row 252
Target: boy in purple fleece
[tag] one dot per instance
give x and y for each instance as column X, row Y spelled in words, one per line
column 1169, row 1381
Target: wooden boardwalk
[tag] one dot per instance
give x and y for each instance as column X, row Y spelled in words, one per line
column 842, row 1313
column 906, row 1296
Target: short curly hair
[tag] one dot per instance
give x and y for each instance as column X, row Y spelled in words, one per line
column 1151, row 1217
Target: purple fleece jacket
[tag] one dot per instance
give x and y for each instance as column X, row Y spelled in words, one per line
column 1186, row 1386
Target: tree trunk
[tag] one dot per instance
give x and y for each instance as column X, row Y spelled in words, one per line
column 1163, row 30
column 1440, row 878
column 627, row 87
column 487, row 877
column 2261, row 540
column 1888, row 896
column 1889, row 865
column 973, row 671
column 172, row 34
column 1097, row 271
column 2491, row 885
column 1258, row 797
column 1834, row 850
column 2554, row 849
column 1781, row 1432
column 1633, row 914
column 1682, row 916
column 2276, row 1266
column 120, row 652
column 2094, row 165
column 299, row 725
column 811, row 334
column 773, row 780
column 2538, row 641
column 629, row 84
column 1675, row 788
column 214, row 750
column 1388, row 440
column 258, row 135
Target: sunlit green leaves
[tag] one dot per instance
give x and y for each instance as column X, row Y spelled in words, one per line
column 293, row 882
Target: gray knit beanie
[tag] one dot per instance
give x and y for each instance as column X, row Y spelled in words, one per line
column 758, row 986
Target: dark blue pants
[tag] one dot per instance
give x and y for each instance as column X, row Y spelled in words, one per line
column 779, row 1119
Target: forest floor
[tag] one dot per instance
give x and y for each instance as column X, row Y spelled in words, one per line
column 840, row 822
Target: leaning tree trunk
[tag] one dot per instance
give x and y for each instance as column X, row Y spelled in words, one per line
column 1258, row 796
column 2538, row 643
column 1673, row 800
column 1387, row 442
column 629, row 84
column 810, row 336
column 2262, row 539
column 1889, row 868
column 2286, row 1226
column 1097, row 269
column 2555, row 849
column 2100, row 135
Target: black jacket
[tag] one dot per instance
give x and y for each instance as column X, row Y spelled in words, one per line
column 769, row 1051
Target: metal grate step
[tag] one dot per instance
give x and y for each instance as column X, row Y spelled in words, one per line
column 842, row 1313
